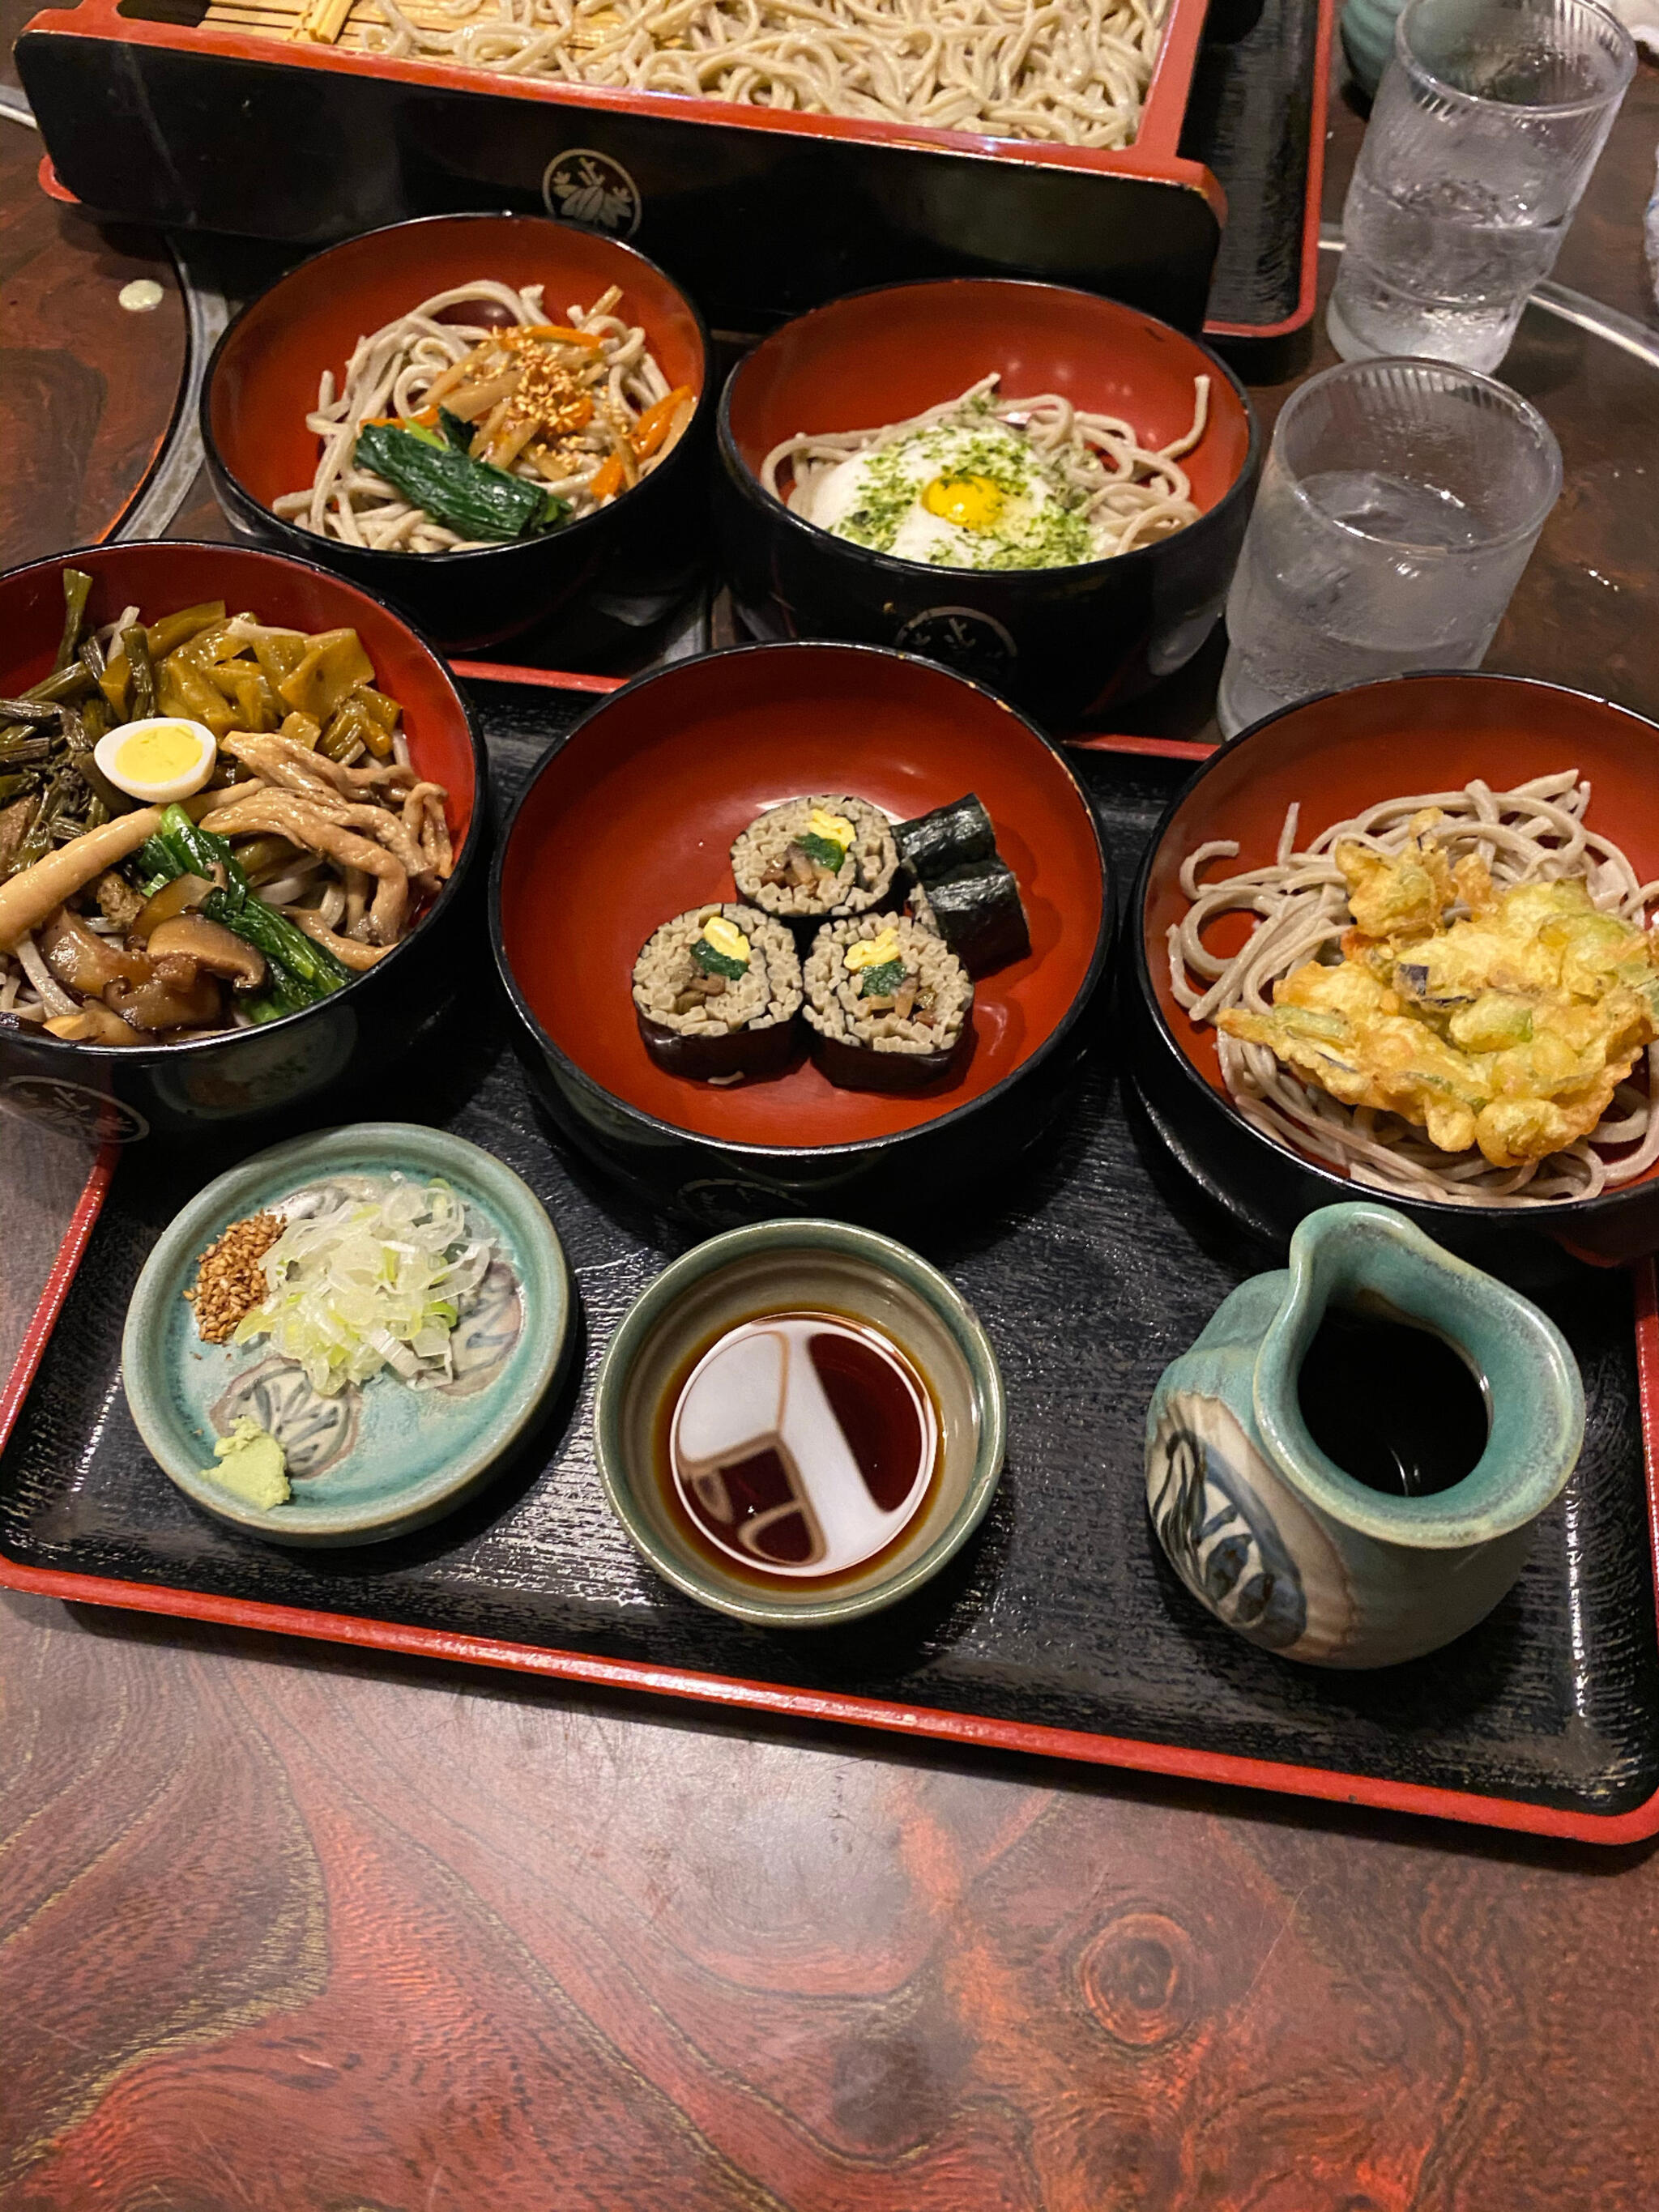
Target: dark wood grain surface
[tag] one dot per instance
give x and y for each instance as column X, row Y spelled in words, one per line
column 88, row 387
column 288, row 1930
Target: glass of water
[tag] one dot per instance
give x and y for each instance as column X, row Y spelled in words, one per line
column 1487, row 126
column 1401, row 501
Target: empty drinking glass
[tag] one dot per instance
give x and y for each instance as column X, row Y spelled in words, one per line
column 1401, row 501
column 1487, row 126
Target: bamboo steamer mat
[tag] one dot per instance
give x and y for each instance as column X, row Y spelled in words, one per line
column 282, row 18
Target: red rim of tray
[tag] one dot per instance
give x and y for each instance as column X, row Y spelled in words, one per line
column 732, row 1693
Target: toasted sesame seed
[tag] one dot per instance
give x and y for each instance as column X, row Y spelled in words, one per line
column 230, row 1281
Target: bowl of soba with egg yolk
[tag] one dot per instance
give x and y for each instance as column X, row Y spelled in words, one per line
column 1046, row 491
column 491, row 421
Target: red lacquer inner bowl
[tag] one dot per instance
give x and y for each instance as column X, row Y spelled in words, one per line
column 264, row 378
column 1338, row 754
column 162, row 577
column 634, row 820
column 879, row 357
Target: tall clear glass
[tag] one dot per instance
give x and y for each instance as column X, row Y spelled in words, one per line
column 1487, row 126
column 1401, row 501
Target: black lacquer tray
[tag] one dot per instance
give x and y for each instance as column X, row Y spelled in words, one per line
column 1059, row 1630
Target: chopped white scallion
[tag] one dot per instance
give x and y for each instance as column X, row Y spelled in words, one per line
column 354, row 1285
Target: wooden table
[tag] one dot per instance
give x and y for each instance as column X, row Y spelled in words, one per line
column 284, row 1930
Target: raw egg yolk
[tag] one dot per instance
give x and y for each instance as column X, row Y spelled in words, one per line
column 971, row 502
column 160, row 755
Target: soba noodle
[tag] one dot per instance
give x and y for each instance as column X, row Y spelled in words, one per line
column 1534, row 834
column 1126, row 493
column 1074, row 75
column 402, row 369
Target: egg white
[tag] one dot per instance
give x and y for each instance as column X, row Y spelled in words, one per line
column 157, row 791
column 918, row 460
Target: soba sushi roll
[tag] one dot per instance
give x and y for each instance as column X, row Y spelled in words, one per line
column 889, row 1004
column 717, row 991
column 816, row 859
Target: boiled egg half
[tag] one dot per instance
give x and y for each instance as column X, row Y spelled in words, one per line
column 158, row 760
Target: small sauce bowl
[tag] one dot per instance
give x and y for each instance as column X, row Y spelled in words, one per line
column 795, row 1266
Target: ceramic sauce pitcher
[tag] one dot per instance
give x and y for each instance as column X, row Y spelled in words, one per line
column 1292, row 1550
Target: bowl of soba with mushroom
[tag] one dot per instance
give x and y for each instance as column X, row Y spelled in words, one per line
column 492, row 420
column 1044, row 490
column 241, row 806
column 1397, row 942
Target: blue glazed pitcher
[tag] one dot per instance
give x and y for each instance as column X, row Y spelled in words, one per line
column 1291, row 1550
column 1368, row 38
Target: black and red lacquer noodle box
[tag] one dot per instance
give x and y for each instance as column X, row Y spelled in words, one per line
column 197, row 117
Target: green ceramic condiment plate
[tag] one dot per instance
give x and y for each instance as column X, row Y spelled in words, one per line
column 374, row 1462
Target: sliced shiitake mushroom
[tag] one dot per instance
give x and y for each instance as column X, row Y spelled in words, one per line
column 211, row 946
column 177, row 897
column 93, row 1024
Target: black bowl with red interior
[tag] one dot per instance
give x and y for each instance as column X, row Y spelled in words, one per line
column 125, row 1091
column 639, row 556
column 631, row 823
column 1065, row 644
column 1335, row 755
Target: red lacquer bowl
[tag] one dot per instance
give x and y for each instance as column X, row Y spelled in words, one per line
column 1337, row 755
column 632, row 822
column 643, row 549
column 125, row 1091
column 1064, row 643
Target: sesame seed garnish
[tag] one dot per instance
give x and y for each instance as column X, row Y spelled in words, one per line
column 229, row 1279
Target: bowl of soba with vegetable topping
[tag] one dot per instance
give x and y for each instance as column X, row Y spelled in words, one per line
column 482, row 418
column 1044, row 490
column 1397, row 942
column 241, row 806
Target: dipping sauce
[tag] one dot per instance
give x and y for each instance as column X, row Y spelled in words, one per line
column 1393, row 1406
column 800, row 1444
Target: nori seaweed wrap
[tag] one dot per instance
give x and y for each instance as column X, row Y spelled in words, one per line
column 949, row 837
column 977, row 911
column 717, row 990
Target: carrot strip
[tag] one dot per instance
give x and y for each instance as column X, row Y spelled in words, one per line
column 607, row 478
column 556, row 333
column 653, row 425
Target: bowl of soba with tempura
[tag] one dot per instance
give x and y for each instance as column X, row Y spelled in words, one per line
column 1395, row 943
column 242, row 807
column 1044, row 490
column 491, row 421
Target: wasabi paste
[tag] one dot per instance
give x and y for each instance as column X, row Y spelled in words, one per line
column 251, row 1465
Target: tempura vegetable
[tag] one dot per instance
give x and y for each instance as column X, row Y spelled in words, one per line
column 1509, row 1030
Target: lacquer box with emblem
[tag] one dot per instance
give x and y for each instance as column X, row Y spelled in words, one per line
column 275, row 119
